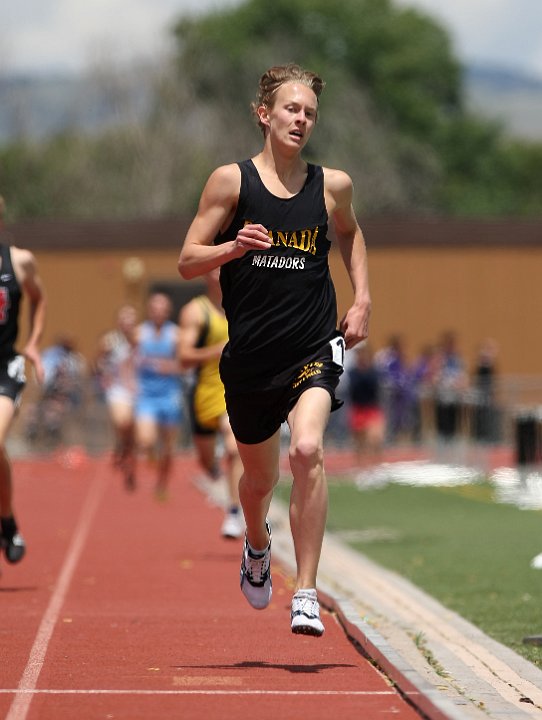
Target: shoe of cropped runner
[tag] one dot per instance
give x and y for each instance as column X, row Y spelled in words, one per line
column 13, row 544
column 256, row 583
column 305, row 614
column 233, row 526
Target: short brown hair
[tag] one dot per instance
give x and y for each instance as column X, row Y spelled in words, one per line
column 275, row 77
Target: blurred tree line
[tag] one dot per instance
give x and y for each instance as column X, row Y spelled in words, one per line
column 393, row 115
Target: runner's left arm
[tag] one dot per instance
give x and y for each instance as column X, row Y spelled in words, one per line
column 339, row 191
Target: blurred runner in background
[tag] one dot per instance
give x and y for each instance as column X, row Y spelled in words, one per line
column 204, row 332
column 116, row 371
column 158, row 407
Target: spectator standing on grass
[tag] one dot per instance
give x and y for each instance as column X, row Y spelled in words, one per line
column 422, row 380
column 116, row 372
column 19, row 278
column 204, row 332
column 366, row 418
column 264, row 221
column 158, row 407
column 450, row 381
column 396, row 396
column 485, row 420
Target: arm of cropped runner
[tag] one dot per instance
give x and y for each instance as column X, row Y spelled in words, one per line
column 216, row 209
column 339, row 190
column 191, row 321
column 27, row 271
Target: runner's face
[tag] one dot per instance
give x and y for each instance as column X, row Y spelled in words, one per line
column 159, row 309
column 292, row 117
column 127, row 319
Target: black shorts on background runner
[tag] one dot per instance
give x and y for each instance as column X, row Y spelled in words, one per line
column 12, row 377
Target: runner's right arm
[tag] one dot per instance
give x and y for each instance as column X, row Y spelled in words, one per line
column 215, row 212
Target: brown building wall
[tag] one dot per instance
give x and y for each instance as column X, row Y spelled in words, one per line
column 476, row 292
column 478, row 279
column 86, row 288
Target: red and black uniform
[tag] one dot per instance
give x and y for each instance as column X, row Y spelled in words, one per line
column 280, row 305
column 12, row 365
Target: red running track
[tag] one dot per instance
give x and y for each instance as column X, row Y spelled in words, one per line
column 128, row 608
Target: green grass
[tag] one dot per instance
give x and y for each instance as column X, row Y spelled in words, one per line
column 458, row 545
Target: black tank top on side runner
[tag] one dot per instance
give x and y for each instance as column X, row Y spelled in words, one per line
column 280, row 303
column 10, row 297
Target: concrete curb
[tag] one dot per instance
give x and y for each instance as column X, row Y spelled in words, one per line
column 414, row 688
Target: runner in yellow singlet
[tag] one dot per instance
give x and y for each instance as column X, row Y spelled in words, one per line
column 204, row 332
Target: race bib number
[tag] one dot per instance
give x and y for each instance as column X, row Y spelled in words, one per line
column 338, row 349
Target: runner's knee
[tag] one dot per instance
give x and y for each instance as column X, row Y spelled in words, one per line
column 306, row 453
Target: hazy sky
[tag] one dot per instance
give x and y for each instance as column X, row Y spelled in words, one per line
column 68, row 34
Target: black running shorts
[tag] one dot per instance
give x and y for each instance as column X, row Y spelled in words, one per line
column 12, row 377
column 256, row 416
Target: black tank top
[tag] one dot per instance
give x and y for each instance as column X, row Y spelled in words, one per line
column 10, row 297
column 280, row 303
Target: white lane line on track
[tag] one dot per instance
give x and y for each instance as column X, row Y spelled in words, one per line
column 35, row 691
column 27, row 685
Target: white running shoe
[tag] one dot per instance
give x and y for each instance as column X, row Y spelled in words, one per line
column 305, row 614
column 233, row 526
column 536, row 562
column 256, row 583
